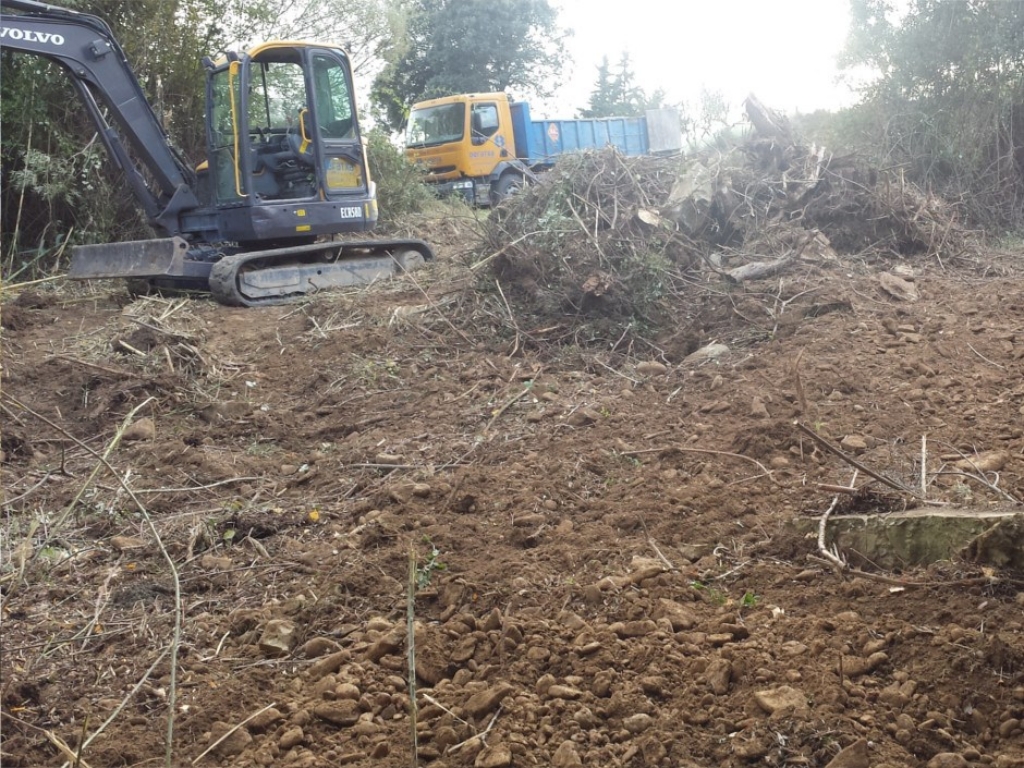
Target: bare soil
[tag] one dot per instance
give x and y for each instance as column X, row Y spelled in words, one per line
column 602, row 533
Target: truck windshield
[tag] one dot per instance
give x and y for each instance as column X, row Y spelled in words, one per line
column 436, row 125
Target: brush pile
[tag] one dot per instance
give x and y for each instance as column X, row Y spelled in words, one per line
column 617, row 237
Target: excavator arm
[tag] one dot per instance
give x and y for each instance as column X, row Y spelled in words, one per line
column 85, row 46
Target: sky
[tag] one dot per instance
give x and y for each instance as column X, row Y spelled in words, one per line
column 782, row 51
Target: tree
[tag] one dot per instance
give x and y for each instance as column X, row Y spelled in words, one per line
column 58, row 184
column 464, row 46
column 947, row 99
column 617, row 94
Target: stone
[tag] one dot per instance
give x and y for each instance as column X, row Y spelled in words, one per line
column 719, row 676
column 344, row 713
column 853, row 756
column 948, row 760
column 566, row 756
column 291, row 738
column 496, row 756
column 783, row 697
column 279, row 637
column 123, row 543
column 651, row 368
column 232, row 744
column 487, row 700
column 143, row 429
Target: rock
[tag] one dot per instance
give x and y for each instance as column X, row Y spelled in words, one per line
column 638, row 723
column 856, row 666
column 708, row 353
column 679, row 616
column 563, row 692
column 948, row 760
column 123, row 543
column 496, row 756
column 719, row 676
column 143, row 429
column 317, row 647
column 214, row 563
column 651, row 368
column 328, row 665
column 486, row 701
column 291, row 738
column 233, row 744
column 854, row 756
column 566, row 756
column 266, row 719
column 897, row 287
column 783, row 697
column 279, row 637
column 344, row 713
column 854, row 444
column 385, row 646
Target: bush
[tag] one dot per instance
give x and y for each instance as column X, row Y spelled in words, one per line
column 400, row 187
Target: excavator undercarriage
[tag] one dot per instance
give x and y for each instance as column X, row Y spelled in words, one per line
column 250, row 278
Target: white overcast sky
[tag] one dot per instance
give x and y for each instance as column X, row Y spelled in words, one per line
column 782, row 51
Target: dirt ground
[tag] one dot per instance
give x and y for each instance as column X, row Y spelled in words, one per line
column 604, row 536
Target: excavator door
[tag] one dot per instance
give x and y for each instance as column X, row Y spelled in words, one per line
column 284, row 140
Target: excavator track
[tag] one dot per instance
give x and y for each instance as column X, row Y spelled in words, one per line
column 285, row 275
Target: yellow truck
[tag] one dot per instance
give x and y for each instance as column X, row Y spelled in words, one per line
column 485, row 146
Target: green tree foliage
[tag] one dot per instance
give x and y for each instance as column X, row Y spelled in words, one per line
column 400, row 187
column 617, row 93
column 948, row 99
column 465, row 46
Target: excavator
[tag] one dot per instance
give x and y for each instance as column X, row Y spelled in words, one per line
column 268, row 217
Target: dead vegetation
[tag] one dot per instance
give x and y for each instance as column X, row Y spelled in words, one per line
column 642, row 238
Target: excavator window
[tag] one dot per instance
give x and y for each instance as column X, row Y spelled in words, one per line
column 335, row 111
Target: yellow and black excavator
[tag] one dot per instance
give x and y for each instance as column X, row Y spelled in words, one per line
column 286, row 167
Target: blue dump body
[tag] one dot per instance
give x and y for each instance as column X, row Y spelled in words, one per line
column 540, row 142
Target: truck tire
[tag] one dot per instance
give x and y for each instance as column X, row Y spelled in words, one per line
column 509, row 184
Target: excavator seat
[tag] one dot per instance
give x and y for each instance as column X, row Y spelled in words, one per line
column 283, row 167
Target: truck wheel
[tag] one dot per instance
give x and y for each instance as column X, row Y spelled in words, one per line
column 508, row 185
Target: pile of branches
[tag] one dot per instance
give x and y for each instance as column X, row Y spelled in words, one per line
column 588, row 239
column 614, row 236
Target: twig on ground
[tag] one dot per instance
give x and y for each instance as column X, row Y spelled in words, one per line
column 68, row 752
column 505, row 406
column 482, row 736
column 124, row 702
column 767, row 472
column 838, row 562
column 410, row 620
column 854, row 463
column 104, row 462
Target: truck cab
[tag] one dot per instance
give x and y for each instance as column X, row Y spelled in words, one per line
column 466, row 145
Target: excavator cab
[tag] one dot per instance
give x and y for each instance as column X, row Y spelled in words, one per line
column 282, row 127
